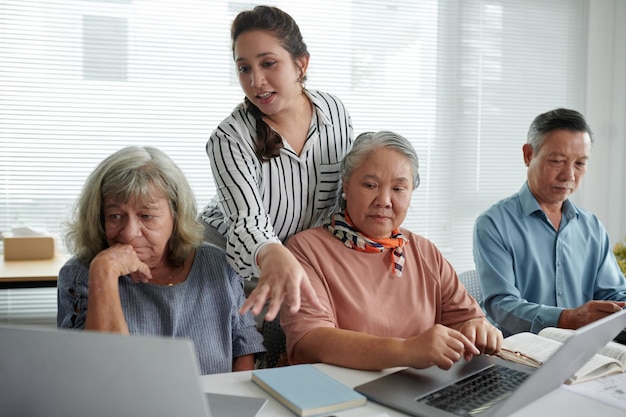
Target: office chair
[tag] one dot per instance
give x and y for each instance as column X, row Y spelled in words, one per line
column 275, row 342
column 469, row 279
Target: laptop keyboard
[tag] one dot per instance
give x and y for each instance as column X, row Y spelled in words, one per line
column 476, row 393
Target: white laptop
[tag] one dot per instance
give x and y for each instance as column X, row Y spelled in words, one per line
column 66, row 373
column 428, row 392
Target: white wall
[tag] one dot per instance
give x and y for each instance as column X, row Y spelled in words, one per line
column 604, row 188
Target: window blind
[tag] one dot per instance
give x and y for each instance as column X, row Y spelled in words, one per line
column 461, row 79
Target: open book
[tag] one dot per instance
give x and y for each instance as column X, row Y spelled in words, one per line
column 534, row 349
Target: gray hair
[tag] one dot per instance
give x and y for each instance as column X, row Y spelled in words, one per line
column 134, row 173
column 369, row 142
column 554, row 120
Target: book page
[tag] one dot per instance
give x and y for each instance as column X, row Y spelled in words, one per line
column 555, row 333
column 612, row 349
column 616, row 351
column 531, row 345
column 609, row 390
column 540, row 349
column 597, row 366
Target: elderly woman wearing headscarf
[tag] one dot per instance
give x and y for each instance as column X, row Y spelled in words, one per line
column 390, row 297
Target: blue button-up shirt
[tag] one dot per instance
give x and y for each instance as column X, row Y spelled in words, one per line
column 529, row 272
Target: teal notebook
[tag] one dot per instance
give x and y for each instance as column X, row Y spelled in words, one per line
column 306, row 390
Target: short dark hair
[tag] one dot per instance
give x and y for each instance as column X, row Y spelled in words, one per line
column 554, row 120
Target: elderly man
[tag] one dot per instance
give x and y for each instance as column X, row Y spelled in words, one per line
column 541, row 260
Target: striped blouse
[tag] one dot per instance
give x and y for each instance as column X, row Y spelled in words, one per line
column 262, row 202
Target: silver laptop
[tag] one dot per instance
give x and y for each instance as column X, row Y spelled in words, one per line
column 66, row 373
column 430, row 392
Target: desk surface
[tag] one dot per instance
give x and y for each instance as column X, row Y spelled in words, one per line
column 32, row 271
column 559, row 402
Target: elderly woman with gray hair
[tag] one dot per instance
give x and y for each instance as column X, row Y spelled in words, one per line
column 140, row 266
column 390, row 297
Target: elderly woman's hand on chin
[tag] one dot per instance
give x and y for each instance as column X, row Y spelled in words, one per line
column 118, row 260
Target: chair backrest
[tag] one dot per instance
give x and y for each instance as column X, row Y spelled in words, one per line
column 275, row 342
column 469, row 279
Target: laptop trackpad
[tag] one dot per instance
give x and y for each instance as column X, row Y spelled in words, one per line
column 425, row 381
column 401, row 389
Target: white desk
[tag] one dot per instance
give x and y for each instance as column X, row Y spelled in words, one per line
column 560, row 402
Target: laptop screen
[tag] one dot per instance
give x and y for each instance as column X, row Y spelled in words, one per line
column 64, row 373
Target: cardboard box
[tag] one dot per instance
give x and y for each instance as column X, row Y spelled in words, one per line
column 28, row 248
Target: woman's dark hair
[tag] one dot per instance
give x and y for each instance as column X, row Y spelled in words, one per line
column 284, row 28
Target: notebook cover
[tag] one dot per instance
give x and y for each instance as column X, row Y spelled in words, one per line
column 306, row 390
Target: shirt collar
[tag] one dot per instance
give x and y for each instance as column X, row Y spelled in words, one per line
column 320, row 106
column 530, row 205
